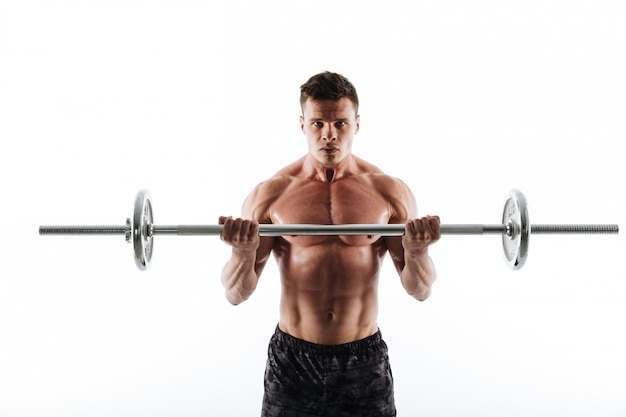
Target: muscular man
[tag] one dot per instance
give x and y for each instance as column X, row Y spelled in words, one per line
column 327, row 356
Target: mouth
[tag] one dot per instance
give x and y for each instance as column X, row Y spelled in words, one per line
column 329, row 151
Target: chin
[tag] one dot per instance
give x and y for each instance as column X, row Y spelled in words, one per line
column 330, row 161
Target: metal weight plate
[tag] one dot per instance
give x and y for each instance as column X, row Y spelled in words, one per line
column 515, row 240
column 141, row 230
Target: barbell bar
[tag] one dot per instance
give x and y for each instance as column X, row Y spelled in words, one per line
column 515, row 229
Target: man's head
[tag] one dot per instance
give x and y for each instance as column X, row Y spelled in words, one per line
column 329, row 117
column 328, row 86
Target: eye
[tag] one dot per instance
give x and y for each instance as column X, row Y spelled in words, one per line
column 318, row 124
column 340, row 123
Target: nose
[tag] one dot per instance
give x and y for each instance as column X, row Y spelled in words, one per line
column 329, row 133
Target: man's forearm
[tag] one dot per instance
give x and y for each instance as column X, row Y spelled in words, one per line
column 418, row 274
column 239, row 276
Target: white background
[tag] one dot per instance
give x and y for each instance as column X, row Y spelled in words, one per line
column 198, row 101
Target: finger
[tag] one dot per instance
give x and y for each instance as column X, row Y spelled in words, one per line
column 227, row 223
column 410, row 228
column 429, row 229
column 435, row 225
column 432, row 228
column 236, row 229
column 254, row 229
column 244, row 232
column 422, row 228
column 414, row 229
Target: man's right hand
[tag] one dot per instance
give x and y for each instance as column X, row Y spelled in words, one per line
column 242, row 234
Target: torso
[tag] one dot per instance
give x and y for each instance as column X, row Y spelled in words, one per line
column 329, row 283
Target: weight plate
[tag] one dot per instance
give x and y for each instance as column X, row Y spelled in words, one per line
column 515, row 241
column 141, row 233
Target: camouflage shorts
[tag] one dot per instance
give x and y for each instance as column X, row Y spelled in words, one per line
column 305, row 379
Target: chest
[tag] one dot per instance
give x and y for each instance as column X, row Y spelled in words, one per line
column 341, row 202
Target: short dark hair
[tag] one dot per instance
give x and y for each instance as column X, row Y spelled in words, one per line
column 328, row 86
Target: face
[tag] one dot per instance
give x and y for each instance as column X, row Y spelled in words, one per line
column 329, row 127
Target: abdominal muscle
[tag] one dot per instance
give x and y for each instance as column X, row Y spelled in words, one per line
column 329, row 287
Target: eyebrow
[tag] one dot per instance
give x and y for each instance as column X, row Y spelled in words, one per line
column 341, row 119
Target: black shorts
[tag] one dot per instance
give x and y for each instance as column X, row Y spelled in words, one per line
column 306, row 379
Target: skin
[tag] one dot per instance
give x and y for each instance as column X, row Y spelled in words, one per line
column 329, row 283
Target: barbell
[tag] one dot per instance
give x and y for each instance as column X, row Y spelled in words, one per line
column 515, row 229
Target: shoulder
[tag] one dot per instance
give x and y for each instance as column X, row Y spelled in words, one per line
column 399, row 196
column 395, row 191
column 258, row 202
column 382, row 182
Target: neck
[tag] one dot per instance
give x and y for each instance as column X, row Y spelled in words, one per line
column 329, row 173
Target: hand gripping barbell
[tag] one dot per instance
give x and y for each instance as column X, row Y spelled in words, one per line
column 515, row 229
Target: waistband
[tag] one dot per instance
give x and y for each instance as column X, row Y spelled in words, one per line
column 371, row 343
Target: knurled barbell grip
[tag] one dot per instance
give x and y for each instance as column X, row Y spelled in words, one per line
column 331, row 230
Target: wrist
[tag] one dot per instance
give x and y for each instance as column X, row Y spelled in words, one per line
column 417, row 252
column 243, row 253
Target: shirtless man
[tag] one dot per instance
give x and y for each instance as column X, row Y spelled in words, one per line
column 327, row 356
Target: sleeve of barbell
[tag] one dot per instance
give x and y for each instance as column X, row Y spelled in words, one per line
column 83, row 230
column 539, row 229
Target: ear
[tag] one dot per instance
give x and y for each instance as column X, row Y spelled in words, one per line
column 302, row 123
column 358, row 123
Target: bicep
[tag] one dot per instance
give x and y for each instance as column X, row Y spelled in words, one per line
column 263, row 253
column 402, row 203
column 402, row 208
column 253, row 209
column 396, row 251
